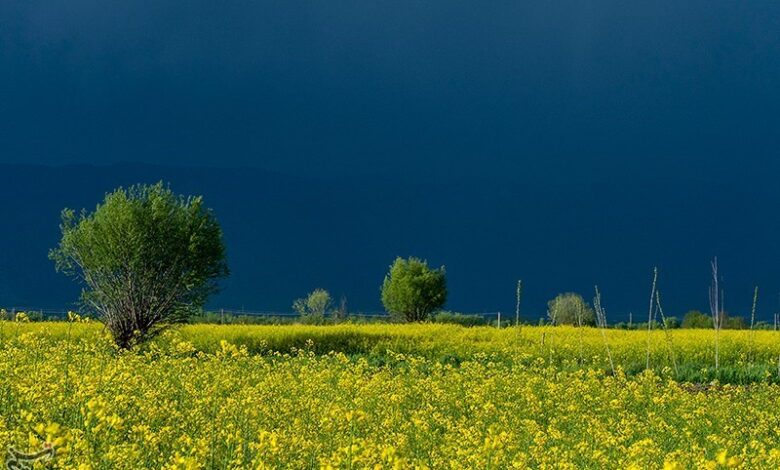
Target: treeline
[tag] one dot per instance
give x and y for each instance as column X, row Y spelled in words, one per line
column 572, row 309
column 318, row 309
column 693, row 319
column 147, row 258
column 697, row 319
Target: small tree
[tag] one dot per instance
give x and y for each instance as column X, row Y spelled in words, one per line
column 412, row 290
column 146, row 256
column 313, row 308
column 341, row 313
column 570, row 309
column 696, row 319
column 732, row 322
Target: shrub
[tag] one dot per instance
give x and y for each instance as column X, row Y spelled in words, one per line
column 734, row 323
column 459, row 319
column 672, row 322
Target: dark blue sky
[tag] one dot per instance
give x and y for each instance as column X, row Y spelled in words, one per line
column 638, row 113
column 366, row 86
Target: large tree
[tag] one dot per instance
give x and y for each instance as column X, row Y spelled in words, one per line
column 147, row 258
column 412, row 290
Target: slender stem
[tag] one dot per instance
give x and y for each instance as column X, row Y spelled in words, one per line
column 667, row 333
column 517, row 306
column 602, row 321
column 579, row 327
column 716, row 301
column 752, row 322
column 650, row 314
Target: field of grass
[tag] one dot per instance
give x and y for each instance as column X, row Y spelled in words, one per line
column 390, row 396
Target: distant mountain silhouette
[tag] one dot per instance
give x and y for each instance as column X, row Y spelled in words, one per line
column 288, row 234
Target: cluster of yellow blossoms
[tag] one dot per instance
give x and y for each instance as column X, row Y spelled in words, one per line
column 177, row 405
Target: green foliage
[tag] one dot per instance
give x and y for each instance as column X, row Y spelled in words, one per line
column 313, row 308
column 459, row 319
column 229, row 318
column 734, row 323
column 146, row 256
column 570, row 309
column 341, row 313
column 672, row 322
column 696, row 319
column 635, row 326
column 412, row 290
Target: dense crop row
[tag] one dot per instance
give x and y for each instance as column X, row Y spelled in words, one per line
column 746, row 356
column 396, row 397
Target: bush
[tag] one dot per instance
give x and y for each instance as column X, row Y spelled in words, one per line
column 219, row 318
column 412, row 290
column 459, row 319
column 734, row 323
column 672, row 322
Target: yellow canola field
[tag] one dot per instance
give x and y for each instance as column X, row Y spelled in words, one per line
column 424, row 396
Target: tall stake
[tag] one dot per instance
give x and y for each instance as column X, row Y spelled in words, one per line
column 753, row 321
column 579, row 326
column 650, row 314
column 601, row 316
column 519, row 294
column 667, row 333
column 715, row 309
column 517, row 306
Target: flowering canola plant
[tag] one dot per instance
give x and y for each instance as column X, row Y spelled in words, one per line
column 201, row 398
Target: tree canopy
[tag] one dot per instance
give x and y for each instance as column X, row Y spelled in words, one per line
column 570, row 309
column 412, row 290
column 146, row 257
